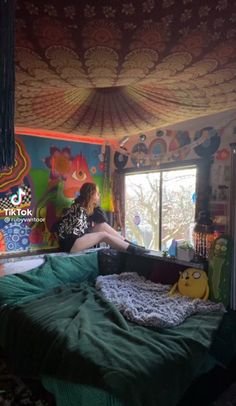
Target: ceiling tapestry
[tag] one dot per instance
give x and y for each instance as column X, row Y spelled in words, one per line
column 118, row 68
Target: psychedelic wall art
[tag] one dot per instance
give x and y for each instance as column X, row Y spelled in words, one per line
column 47, row 176
column 195, row 141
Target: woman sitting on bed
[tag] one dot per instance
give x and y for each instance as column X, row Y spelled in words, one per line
column 84, row 225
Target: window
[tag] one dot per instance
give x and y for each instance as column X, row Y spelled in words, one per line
column 160, row 206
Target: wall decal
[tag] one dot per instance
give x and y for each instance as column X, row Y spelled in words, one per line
column 210, row 146
column 139, row 154
column 180, row 140
column 120, row 160
column 158, row 146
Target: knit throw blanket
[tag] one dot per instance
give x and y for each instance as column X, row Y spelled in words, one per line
column 149, row 304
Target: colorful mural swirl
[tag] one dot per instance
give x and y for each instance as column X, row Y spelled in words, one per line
column 35, row 192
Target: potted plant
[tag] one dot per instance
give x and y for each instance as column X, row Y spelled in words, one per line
column 185, row 251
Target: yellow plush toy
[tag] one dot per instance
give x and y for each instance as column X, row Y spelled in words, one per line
column 192, row 283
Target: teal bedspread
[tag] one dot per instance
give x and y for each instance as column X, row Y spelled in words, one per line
column 55, row 324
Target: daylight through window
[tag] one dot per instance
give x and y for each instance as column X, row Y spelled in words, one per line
column 160, row 207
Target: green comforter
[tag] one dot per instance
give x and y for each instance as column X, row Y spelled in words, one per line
column 54, row 323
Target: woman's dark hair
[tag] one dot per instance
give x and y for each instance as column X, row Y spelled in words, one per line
column 86, row 191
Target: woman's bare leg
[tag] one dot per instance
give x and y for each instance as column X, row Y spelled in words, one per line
column 93, row 238
column 107, row 228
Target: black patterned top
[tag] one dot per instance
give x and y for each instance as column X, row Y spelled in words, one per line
column 74, row 222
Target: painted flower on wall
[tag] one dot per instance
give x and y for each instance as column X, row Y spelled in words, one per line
column 59, row 163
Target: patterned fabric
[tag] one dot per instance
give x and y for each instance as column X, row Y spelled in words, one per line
column 113, row 68
column 148, row 303
column 75, row 221
column 17, row 392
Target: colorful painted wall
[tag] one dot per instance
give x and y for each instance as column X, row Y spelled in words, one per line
column 205, row 138
column 47, row 176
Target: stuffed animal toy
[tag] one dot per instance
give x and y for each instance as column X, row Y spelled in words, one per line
column 192, row 283
column 219, row 270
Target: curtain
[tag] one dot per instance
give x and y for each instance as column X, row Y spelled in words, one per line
column 119, row 201
column 7, row 83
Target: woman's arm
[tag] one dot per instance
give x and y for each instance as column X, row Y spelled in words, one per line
column 98, row 216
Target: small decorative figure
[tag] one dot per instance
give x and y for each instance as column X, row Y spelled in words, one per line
column 172, row 251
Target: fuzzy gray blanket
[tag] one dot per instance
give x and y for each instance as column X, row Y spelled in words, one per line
column 149, row 304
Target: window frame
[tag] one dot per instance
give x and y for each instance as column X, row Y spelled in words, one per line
column 200, row 165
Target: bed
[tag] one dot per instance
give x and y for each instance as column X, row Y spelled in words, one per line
column 55, row 325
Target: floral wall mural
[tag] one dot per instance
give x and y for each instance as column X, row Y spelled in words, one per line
column 46, row 178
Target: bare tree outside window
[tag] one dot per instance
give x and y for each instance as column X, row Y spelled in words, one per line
column 159, row 207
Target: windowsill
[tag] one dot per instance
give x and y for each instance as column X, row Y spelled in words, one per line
column 4, row 256
column 158, row 256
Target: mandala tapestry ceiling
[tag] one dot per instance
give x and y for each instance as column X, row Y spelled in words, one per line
column 112, row 68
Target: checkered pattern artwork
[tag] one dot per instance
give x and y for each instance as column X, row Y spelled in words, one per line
column 5, row 202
